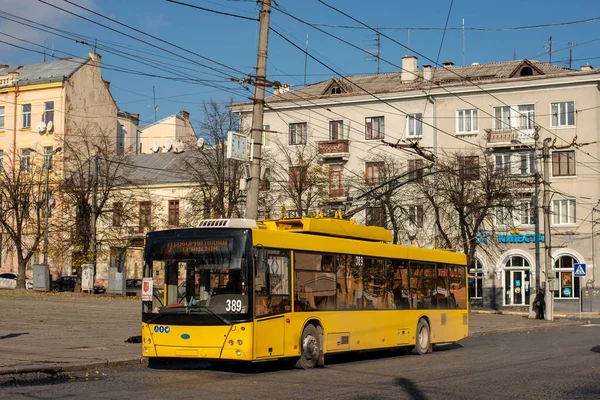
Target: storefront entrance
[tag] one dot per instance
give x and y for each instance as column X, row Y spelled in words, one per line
column 517, row 282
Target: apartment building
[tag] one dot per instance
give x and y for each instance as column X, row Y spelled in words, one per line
column 496, row 108
column 163, row 135
column 47, row 106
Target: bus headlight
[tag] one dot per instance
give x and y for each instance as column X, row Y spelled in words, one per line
column 239, row 353
column 231, row 342
column 240, row 342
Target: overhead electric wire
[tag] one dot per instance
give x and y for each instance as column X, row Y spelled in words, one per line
column 212, row 11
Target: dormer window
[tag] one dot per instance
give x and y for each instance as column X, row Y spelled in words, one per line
column 335, row 90
column 526, row 71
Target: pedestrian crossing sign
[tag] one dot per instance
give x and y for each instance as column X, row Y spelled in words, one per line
column 579, row 270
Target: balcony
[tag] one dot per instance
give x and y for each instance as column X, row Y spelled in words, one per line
column 335, row 149
column 506, row 137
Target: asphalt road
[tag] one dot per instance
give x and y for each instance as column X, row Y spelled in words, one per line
column 555, row 364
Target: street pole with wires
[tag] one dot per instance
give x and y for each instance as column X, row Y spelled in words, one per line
column 48, row 162
column 258, row 111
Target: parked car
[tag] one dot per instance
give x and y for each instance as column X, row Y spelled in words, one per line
column 67, row 284
column 8, row 280
column 133, row 287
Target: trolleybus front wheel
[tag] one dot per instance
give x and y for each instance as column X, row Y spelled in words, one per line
column 310, row 350
column 423, row 337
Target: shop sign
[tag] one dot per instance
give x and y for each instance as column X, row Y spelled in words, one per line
column 516, row 237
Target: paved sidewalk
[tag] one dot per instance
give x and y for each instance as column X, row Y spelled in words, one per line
column 60, row 332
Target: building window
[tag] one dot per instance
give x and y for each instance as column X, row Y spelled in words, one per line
column 265, row 183
column 520, row 117
column 117, row 219
column 563, row 211
column 373, row 173
column 503, row 163
column 48, row 112
column 26, row 122
column 467, row 121
column 476, row 280
column 120, row 140
column 266, row 136
column 298, row 133
column 469, row 167
column 527, row 163
column 1, row 118
column 24, row 201
column 569, row 284
column 414, row 125
column 374, row 128
column 335, row 90
column 336, row 188
column 375, row 217
column 503, row 216
column 527, row 211
column 563, row 163
column 415, row 215
column 1, row 161
column 48, row 158
column 25, row 160
column 336, row 130
column 563, row 114
column 415, row 170
column 145, row 214
column 173, row 212
column 296, row 176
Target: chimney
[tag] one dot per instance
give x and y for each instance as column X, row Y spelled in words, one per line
column 448, row 64
column 283, row 88
column 587, row 67
column 96, row 58
column 409, row 69
column 185, row 115
column 13, row 77
column 427, row 72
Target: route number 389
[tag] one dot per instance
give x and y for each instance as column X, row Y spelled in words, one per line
column 234, row 306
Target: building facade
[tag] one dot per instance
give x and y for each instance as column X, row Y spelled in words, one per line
column 510, row 111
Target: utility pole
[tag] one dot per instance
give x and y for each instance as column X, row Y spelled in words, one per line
column 550, row 50
column 549, row 280
column 536, row 216
column 258, row 110
column 48, row 162
column 154, row 102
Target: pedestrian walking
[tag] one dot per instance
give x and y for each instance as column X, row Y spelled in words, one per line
column 539, row 304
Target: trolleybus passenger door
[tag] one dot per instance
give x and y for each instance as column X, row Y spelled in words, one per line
column 272, row 301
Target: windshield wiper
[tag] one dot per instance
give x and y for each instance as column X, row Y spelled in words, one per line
column 199, row 307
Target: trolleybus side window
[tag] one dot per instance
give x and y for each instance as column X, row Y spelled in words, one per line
column 272, row 282
column 374, row 278
column 398, row 285
column 422, row 285
column 315, row 281
column 458, row 289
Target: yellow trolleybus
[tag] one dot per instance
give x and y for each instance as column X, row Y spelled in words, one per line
column 298, row 288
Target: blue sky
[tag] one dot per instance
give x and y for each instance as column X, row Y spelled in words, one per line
column 233, row 41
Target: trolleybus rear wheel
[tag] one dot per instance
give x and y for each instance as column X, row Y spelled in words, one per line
column 423, row 337
column 310, row 348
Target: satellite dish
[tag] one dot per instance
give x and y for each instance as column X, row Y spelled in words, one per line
column 201, row 143
column 155, row 147
column 169, row 145
column 178, row 147
column 50, row 126
column 41, row 127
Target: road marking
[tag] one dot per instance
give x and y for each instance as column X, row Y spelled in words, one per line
column 587, row 325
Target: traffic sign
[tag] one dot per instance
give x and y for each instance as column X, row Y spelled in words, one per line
column 579, row 270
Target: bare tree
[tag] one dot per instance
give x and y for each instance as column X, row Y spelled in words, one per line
column 22, row 205
column 216, row 191
column 93, row 175
column 298, row 175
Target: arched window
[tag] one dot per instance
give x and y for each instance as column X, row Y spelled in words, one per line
column 568, row 284
column 517, row 281
column 526, row 71
column 335, row 90
column 476, row 280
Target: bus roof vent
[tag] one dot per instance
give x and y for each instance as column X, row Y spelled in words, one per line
column 228, row 223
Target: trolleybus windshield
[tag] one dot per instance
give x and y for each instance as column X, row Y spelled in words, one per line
column 199, row 279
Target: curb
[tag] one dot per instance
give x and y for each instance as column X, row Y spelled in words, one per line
column 58, row 369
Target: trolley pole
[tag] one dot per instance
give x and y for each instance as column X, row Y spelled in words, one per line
column 258, row 111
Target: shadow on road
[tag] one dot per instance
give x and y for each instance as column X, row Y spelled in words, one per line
column 13, row 335
column 595, row 349
column 412, row 390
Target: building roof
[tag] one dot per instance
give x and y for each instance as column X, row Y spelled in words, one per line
column 447, row 76
column 53, row 71
column 157, row 168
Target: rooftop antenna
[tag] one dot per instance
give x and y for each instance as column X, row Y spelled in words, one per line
column 44, row 50
column 514, row 53
column 154, row 101
column 377, row 51
column 408, row 43
column 464, row 41
column 549, row 47
column 52, row 50
column 570, row 54
column 305, row 59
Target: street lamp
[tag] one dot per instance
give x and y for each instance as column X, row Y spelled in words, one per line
column 47, row 163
